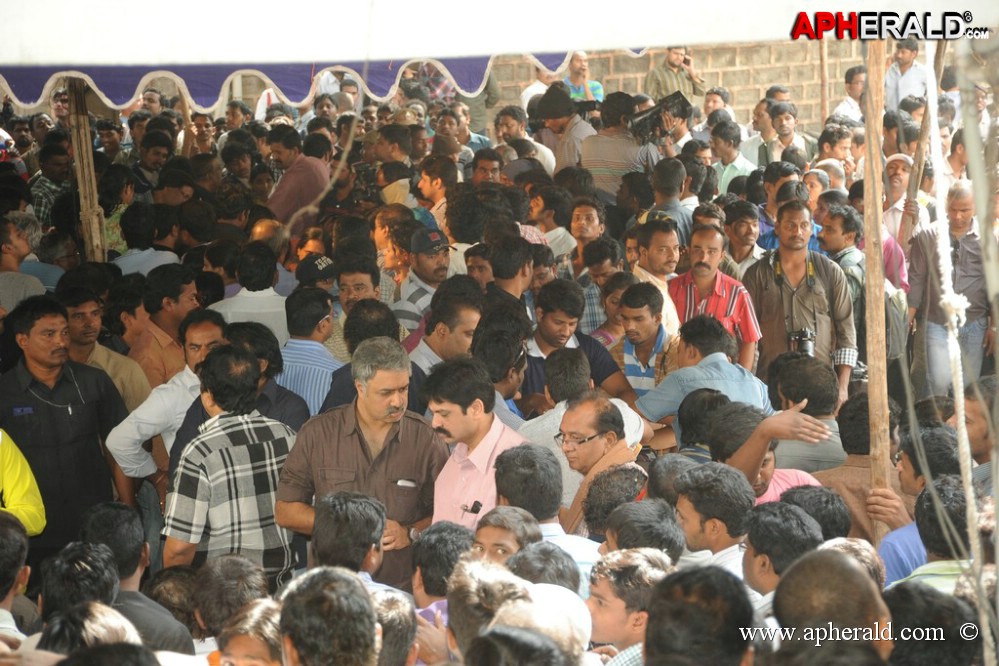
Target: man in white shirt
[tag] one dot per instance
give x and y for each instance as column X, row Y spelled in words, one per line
column 899, row 217
column 257, row 273
column 856, row 80
column 450, row 326
column 542, row 79
column 906, row 76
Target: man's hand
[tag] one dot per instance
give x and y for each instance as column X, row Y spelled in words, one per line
column 885, row 505
column 688, row 65
column 989, row 343
column 395, row 537
column 431, row 640
column 159, row 481
column 792, row 424
column 535, row 403
column 605, row 652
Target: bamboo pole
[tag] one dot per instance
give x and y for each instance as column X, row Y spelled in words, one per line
column 824, row 79
column 91, row 215
column 919, row 159
column 877, row 367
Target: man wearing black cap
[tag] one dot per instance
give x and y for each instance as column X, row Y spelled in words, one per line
column 559, row 114
column 316, row 270
column 614, row 151
column 430, row 256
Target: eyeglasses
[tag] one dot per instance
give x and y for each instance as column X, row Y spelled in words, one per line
column 563, row 439
column 896, row 458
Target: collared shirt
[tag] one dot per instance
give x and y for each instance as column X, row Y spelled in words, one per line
column 414, row 300
column 728, row 302
column 785, row 479
column 775, row 147
column 222, row 496
column 331, row 455
column 143, row 261
column 469, row 477
column 811, row 458
column 730, row 559
column 424, row 357
column 642, row 377
column 593, row 309
column 343, row 390
column 265, row 306
column 941, row 575
column 713, row 371
column 662, row 81
column 160, row 356
column 892, row 221
column 968, row 274
column 160, row 414
column 898, row 86
column 59, row 431
column 274, row 402
column 19, row 489
column 676, row 212
column 671, row 319
column 44, row 192
column 850, row 108
column 602, row 365
column 820, row 302
column 567, row 151
column 740, row 166
column 755, row 255
column 128, row 377
column 579, row 92
column 308, row 369
column 750, row 148
column 611, row 153
column 902, row 552
column 852, row 482
column 584, row 552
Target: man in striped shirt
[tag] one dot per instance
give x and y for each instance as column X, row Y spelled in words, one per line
column 644, row 350
column 308, row 365
column 705, row 290
column 429, row 254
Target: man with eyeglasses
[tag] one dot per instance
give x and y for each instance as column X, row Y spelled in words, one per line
column 592, row 438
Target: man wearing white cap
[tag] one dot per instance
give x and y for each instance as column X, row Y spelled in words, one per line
column 900, row 218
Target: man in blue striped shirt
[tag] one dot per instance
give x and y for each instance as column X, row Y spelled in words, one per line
column 308, row 365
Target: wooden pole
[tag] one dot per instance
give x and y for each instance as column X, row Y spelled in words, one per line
column 877, row 367
column 91, row 215
column 824, row 79
column 919, row 159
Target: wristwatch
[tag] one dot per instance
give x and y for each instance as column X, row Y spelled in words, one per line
column 414, row 534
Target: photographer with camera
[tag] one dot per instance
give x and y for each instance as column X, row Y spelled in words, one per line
column 802, row 300
column 614, row 150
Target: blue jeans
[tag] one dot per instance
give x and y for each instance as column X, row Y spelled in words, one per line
column 937, row 364
column 152, row 523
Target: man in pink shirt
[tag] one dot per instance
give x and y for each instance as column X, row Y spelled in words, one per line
column 304, row 179
column 461, row 398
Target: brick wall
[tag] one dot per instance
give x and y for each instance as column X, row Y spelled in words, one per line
column 747, row 70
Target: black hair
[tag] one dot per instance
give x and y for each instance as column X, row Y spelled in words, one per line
column 576, row 180
column 260, row 341
column 286, row 135
column 508, row 646
column 167, row 281
column 697, row 613
column 461, row 381
column 399, row 135
column 810, row 378
column 457, row 293
column 393, row 171
column 730, row 426
column 542, row 255
column 305, row 308
column 233, row 198
column 610, row 489
column 119, row 527
column 559, row 201
column 922, row 611
column 794, row 192
column 824, row 505
column 854, row 426
column 567, row 373
column 196, row 317
column 664, row 471
column 112, row 654
column 444, row 168
column 653, row 227
column 727, row 131
column 598, row 251
column 939, row 450
column 369, row 318
column 717, row 491
column 668, row 176
column 27, row 313
column 544, row 562
column 256, row 266
column 436, row 552
column 225, row 584
column 696, row 415
column 564, row 295
column 210, row 288
column 783, row 532
column 650, row 523
column 138, row 226
column 529, row 477
column 640, row 187
column 508, row 256
column 13, row 551
column 231, row 374
column 943, row 541
column 198, row 218
column 706, row 334
column 643, row 295
column 853, row 72
column 79, row 572
column 500, row 352
column 317, row 145
column 347, row 525
column 522, row 525
column 115, row 178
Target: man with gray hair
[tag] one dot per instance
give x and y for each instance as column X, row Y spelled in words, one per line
column 47, row 273
column 374, row 446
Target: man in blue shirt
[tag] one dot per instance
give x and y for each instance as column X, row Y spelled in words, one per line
column 704, row 363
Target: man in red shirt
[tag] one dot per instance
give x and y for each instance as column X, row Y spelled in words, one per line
column 705, row 290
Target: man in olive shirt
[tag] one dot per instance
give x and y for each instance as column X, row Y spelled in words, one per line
column 373, row 446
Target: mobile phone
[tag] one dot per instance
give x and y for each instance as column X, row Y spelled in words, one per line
column 686, row 60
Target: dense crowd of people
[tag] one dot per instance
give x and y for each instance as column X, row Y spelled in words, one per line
column 581, row 383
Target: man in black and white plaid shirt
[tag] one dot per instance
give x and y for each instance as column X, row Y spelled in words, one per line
column 221, row 499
